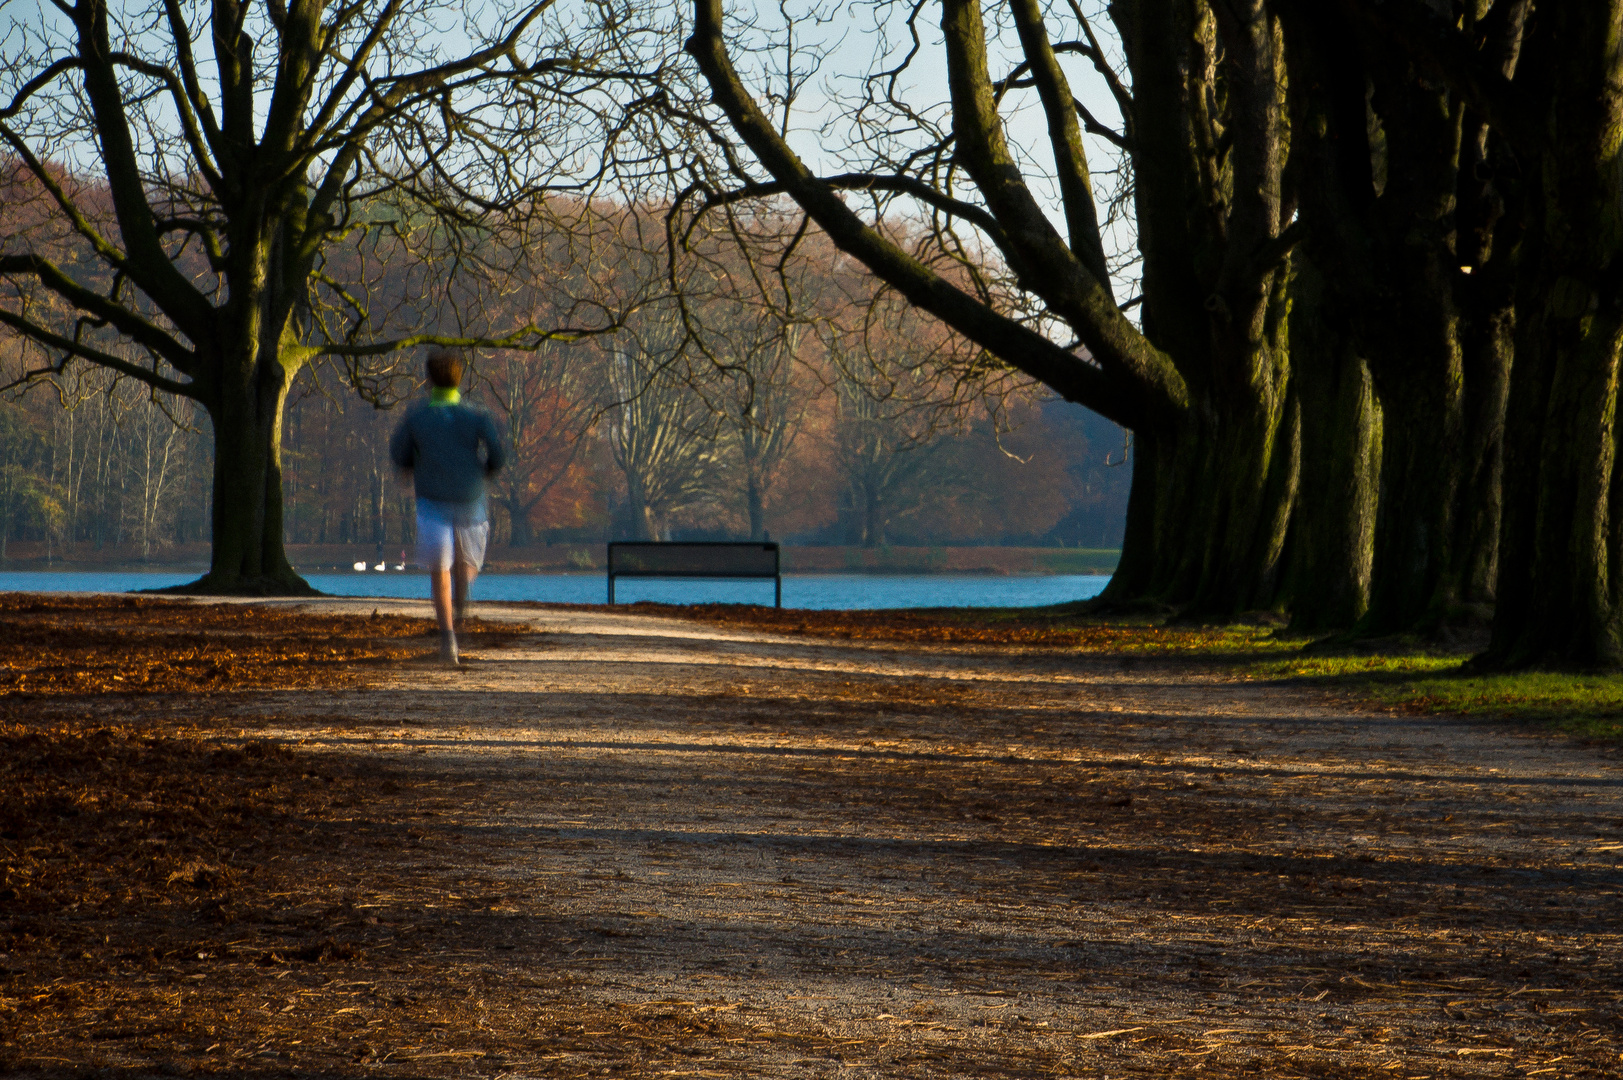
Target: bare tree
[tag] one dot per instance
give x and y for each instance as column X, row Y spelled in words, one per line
column 760, row 402
column 891, row 417
column 548, row 402
column 154, row 437
column 881, row 464
column 269, row 185
column 663, row 433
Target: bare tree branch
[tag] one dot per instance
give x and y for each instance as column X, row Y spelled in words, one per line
column 77, row 349
column 1018, row 345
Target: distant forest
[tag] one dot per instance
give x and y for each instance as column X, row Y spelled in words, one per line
column 821, row 410
column 117, row 467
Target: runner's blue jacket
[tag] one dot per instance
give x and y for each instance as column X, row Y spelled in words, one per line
column 440, row 442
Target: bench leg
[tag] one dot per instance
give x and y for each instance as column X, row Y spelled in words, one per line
column 777, row 593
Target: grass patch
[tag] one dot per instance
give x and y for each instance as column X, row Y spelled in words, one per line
column 1588, row 706
column 1373, row 668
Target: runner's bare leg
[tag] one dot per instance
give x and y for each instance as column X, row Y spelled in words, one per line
column 461, row 583
column 440, row 587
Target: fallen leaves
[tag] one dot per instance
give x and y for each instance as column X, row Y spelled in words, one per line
column 135, row 644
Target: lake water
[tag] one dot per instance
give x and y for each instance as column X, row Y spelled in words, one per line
column 822, row 591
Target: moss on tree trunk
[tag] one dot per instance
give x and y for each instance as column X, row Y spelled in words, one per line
column 1326, row 584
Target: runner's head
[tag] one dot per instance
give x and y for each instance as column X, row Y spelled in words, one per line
column 444, row 369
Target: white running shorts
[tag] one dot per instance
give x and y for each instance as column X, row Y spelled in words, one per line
column 442, row 542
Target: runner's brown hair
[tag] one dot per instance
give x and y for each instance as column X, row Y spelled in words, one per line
column 444, row 368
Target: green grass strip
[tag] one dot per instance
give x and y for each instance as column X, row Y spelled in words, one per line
column 1588, row 706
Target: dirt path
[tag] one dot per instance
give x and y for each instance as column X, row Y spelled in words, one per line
column 632, row 846
column 958, row 862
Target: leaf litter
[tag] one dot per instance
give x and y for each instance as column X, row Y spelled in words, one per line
column 366, row 868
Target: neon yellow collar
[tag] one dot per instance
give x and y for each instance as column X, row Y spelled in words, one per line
column 445, row 395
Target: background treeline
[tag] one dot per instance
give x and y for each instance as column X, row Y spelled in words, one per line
column 113, row 469
column 608, row 444
column 817, row 411
column 666, row 466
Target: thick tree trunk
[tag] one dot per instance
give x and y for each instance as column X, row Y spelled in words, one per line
column 1488, row 228
column 864, row 525
column 1207, row 515
column 1207, row 536
column 1560, row 596
column 1408, row 326
column 644, row 525
column 1250, row 486
column 1136, row 572
column 1420, row 483
column 518, row 523
column 1487, row 345
column 1558, row 602
column 873, row 529
column 1332, row 528
column 249, row 558
column 1379, row 154
column 1560, row 581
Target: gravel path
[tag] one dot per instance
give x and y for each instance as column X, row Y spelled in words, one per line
column 821, row 859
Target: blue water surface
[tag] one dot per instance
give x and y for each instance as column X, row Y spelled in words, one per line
column 818, row 591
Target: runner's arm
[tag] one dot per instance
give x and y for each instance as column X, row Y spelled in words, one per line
column 402, row 447
column 495, row 455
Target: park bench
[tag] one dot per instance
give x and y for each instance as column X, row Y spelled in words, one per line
column 696, row 559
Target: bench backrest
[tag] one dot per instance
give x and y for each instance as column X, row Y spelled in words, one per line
column 681, row 558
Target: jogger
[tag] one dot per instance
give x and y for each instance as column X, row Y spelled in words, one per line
column 449, row 449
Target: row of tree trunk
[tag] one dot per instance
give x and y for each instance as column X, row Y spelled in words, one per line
column 1374, row 379
column 1344, row 456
